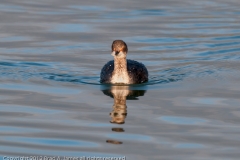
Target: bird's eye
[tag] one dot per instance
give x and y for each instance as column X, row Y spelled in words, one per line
column 116, row 53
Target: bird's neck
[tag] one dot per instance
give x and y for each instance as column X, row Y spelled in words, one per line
column 120, row 65
column 120, row 74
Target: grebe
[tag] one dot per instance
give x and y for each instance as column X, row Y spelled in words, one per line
column 122, row 70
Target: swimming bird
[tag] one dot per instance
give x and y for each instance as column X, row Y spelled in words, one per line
column 122, row 70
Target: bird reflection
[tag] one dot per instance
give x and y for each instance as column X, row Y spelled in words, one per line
column 119, row 113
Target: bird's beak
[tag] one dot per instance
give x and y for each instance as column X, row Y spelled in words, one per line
column 115, row 53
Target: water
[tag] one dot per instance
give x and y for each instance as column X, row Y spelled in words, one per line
column 51, row 101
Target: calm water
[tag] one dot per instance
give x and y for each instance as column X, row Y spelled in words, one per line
column 51, row 101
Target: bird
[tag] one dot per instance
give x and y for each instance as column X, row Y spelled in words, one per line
column 122, row 70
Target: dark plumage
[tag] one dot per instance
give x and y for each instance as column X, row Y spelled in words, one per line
column 137, row 72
